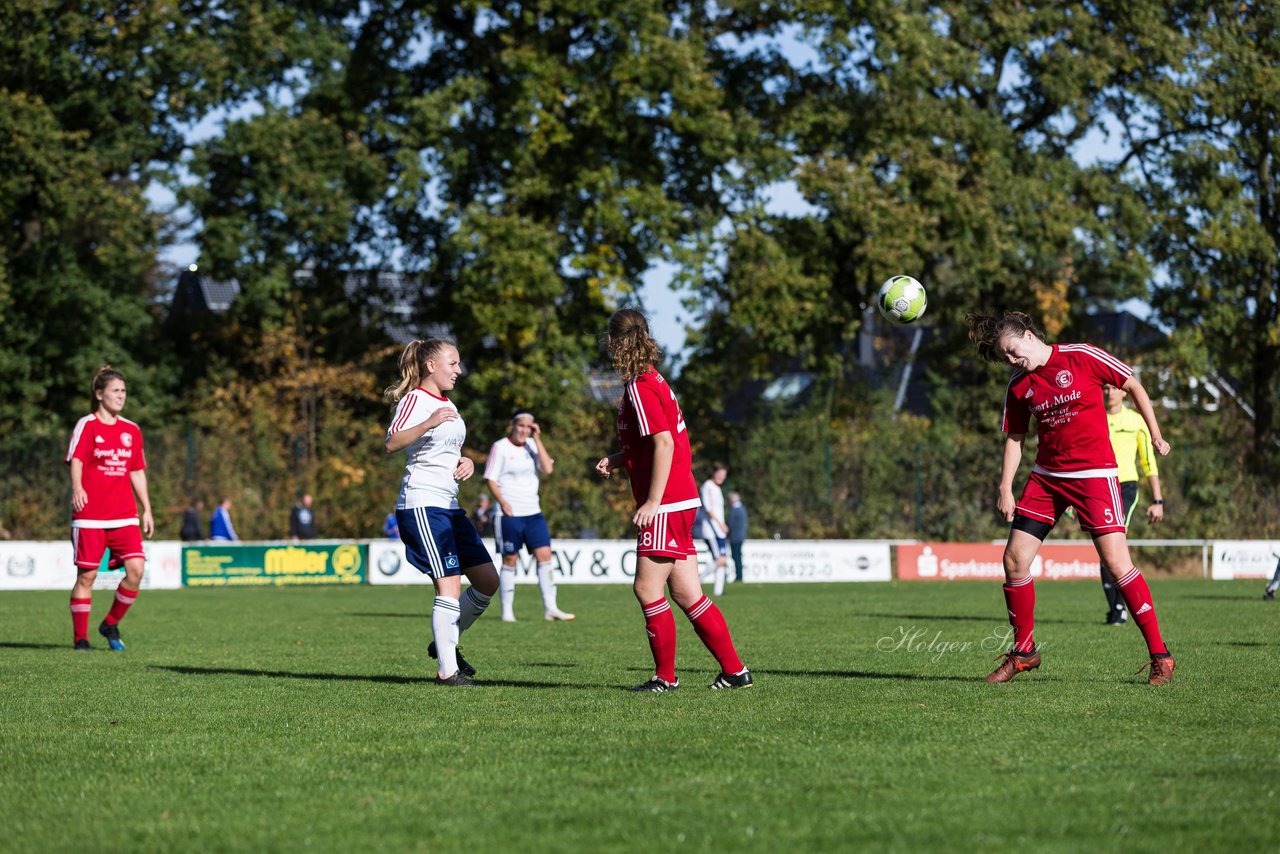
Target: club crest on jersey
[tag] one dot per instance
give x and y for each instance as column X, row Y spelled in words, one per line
column 451, row 562
column 126, row 439
column 1064, row 379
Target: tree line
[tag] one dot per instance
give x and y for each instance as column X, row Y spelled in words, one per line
column 526, row 163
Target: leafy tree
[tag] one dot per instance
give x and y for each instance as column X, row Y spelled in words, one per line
column 1201, row 142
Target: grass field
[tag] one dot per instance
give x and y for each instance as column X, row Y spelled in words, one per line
column 287, row 719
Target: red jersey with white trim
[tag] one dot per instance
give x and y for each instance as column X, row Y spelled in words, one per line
column 649, row 406
column 109, row 452
column 1065, row 397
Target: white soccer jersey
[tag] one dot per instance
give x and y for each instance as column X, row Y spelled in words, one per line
column 515, row 469
column 428, row 474
column 713, row 501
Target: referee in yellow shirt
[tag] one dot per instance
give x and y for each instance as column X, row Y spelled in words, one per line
column 1132, row 444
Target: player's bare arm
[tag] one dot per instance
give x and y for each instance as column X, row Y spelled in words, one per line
column 545, row 462
column 79, row 498
column 497, row 496
column 1005, row 503
column 402, row 439
column 139, row 481
column 609, row 464
column 1142, row 402
column 664, row 451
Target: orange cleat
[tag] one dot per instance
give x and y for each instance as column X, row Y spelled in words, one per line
column 1161, row 669
column 1013, row 664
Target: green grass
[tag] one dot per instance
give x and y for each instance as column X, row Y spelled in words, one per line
column 284, row 719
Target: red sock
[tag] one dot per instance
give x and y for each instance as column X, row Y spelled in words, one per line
column 80, row 618
column 1020, row 600
column 660, row 625
column 1137, row 598
column 124, row 598
column 709, row 623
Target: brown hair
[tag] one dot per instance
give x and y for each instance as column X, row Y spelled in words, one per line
column 413, row 365
column 986, row 330
column 104, row 375
column 631, row 346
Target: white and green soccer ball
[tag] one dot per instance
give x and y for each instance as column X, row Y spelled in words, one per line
column 902, row 299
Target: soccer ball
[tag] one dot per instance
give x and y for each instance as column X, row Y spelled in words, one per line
column 902, row 299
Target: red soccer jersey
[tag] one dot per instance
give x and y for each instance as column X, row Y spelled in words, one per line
column 109, row 452
column 1065, row 396
column 649, row 406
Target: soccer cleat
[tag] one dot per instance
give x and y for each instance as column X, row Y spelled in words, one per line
column 656, row 685
column 1161, row 669
column 553, row 614
column 457, row 680
column 732, row 680
column 111, row 631
column 83, row 645
column 1118, row 617
column 508, row 618
column 1269, row 595
column 464, row 666
column 1013, row 664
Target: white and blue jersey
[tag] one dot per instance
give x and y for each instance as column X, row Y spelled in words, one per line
column 514, row 469
column 428, row 472
column 438, row 537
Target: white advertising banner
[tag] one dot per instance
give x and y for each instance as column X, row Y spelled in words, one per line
column 1244, row 558
column 614, row 562
column 49, row 566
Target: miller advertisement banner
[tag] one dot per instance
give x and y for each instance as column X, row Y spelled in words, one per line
column 272, row 565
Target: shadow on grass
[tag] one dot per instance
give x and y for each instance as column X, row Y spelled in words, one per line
column 987, row 619
column 17, row 645
column 1243, row 643
column 1231, row 597
column 869, row 674
column 384, row 678
column 984, row 619
column 418, row 616
column 548, row 664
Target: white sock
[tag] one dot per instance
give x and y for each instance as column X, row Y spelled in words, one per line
column 472, row 605
column 718, row 588
column 444, row 625
column 507, row 589
column 547, row 581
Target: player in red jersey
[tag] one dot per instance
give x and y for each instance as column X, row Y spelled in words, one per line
column 655, row 453
column 1060, row 386
column 107, row 467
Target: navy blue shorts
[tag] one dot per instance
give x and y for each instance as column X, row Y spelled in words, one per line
column 440, row 542
column 716, row 546
column 512, row 532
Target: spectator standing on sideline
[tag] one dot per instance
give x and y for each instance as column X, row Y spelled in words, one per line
column 302, row 521
column 1131, row 440
column 737, row 531
column 108, row 468
column 654, row 444
column 516, row 462
column 391, row 527
column 483, row 516
column 193, row 521
column 220, row 527
column 1270, row 593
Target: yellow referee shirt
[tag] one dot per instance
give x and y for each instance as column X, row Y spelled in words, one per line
column 1131, row 441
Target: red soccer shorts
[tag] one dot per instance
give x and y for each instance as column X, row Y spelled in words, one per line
column 668, row 535
column 91, row 544
column 1096, row 499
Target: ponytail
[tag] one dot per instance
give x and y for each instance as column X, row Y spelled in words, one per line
column 413, row 366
